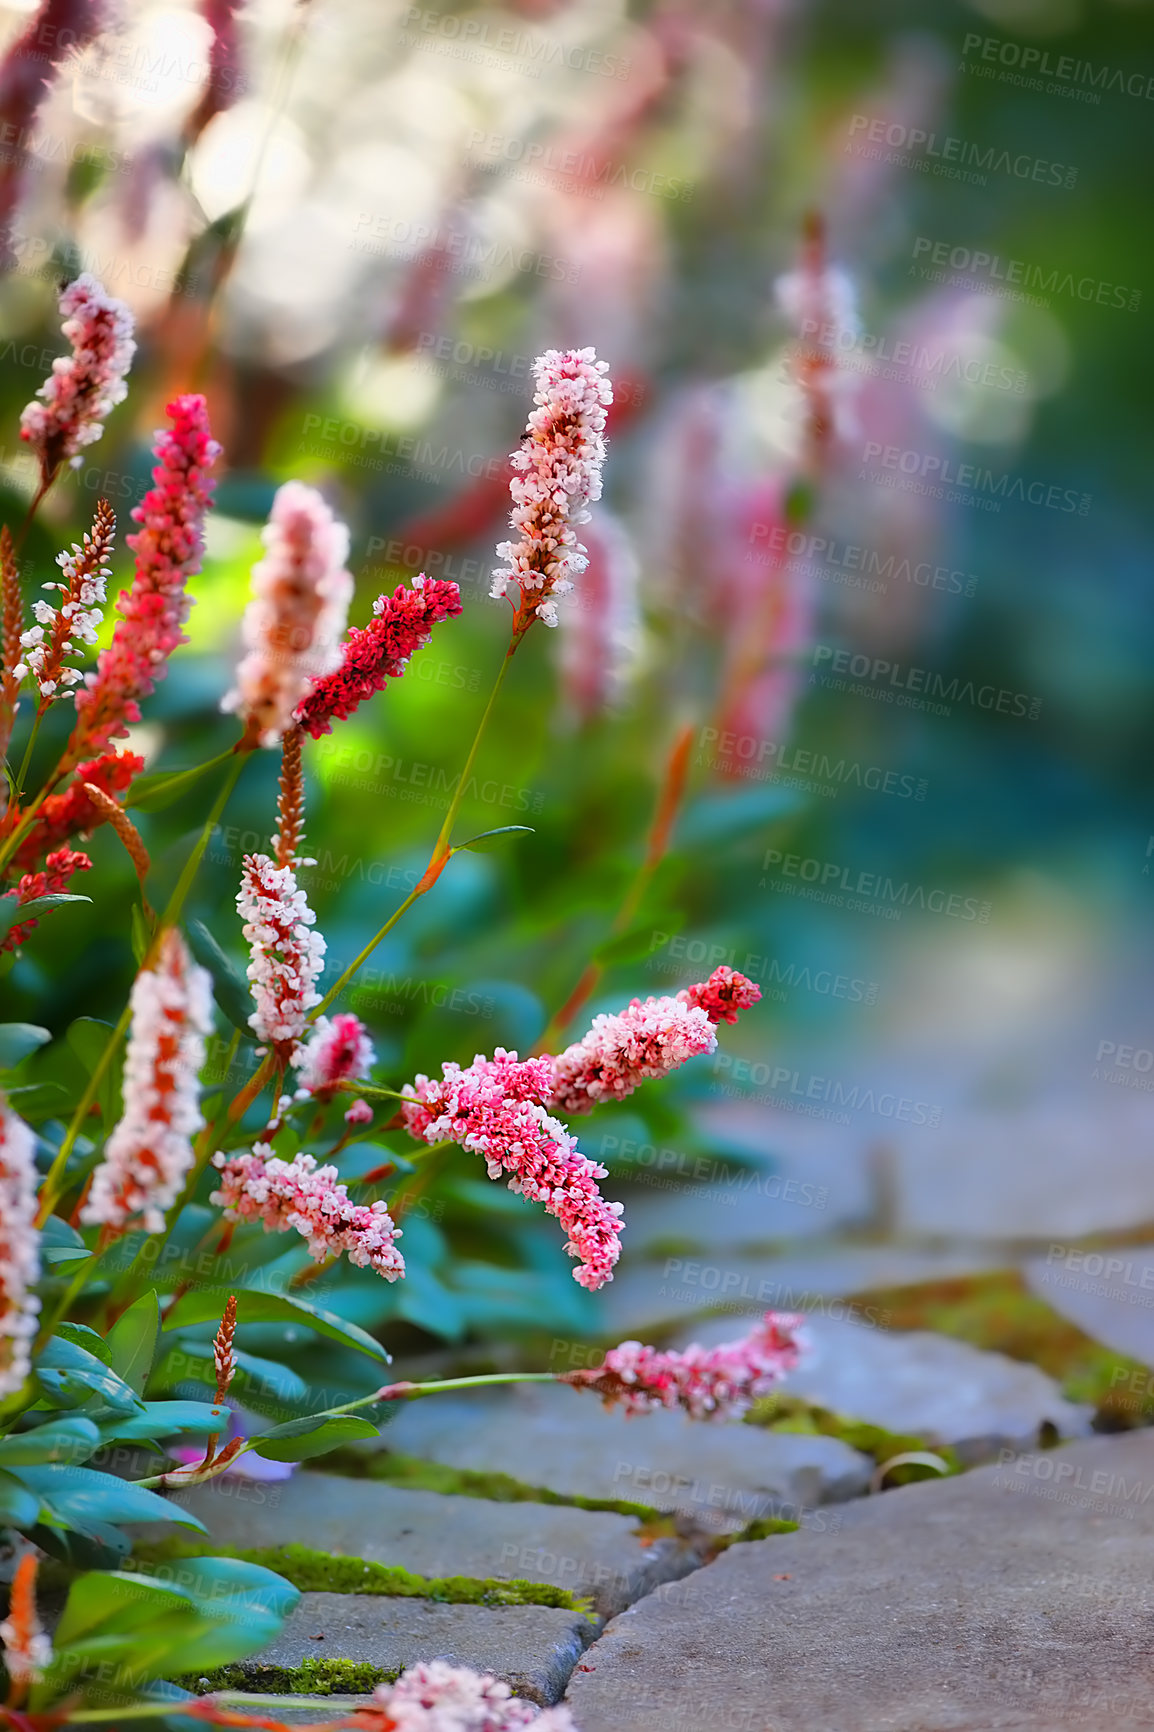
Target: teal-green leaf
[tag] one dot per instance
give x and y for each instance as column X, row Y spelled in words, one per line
column 17, row 1040
column 132, row 1341
column 301, row 1439
column 229, row 986
column 68, row 1375
column 19, row 1506
column 490, row 839
column 206, row 1304
column 81, row 1335
column 167, row 1419
column 72, row 1440
column 79, row 1493
column 60, row 1243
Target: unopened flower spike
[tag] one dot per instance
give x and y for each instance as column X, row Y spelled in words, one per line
column 19, row 1249
column 336, row 1052
column 705, row 1382
column 62, row 631
column 84, row 387
column 559, row 463
column 223, row 1352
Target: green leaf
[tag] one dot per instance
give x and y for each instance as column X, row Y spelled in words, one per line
column 219, row 1585
column 76, row 1494
column 490, row 839
column 132, row 1341
column 141, row 936
column 13, row 913
column 19, row 1507
column 82, row 1336
column 61, row 1243
column 114, row 1601
column 301, row 1439
column 229, row 986
column 153, row 793
column 68, row 1375
column 206, row 1304
column 167, row 1419
column 17, row 1040
column 73, row 1439
column 88, row 1037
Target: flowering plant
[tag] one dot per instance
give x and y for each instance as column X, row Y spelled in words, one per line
column 142, row 1209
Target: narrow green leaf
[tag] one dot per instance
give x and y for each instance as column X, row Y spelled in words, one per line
column 72, row 1439
column 76, row 1494
column 206, row 1304
column 490, row 839
column 19, row 1507
column 301, row 1439
column 82, row 1336
column 17, row 1040
column 13, row 913
column 68, row 1375
column 153, row 793
column 132, row 1341
column 229, row 986
column 167, row 1419
column 141, row 936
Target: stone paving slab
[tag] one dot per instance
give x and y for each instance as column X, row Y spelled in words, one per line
column 717, row 1476
column 921, row 1382
column 1109, row 1294
column 1016, row 1596
column 534, row 1648
column 593, row 1552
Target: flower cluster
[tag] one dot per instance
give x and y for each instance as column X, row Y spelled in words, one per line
column 301, row 1195
column 337, row 1051
column 19, row 1249
column 52, row 881
column 818, row 299
column 722, row 995
column 496, row 1107
column 168, row 548
column 706, row 1382
column 379, row 651
column 79, row 615
column 559, row 460
column 84, row 387
column 148, row 1155
column 294, row 624
column 74, row 812
column 287, row 955
column 434, row 1696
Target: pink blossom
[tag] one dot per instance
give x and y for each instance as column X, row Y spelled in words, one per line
column 79, row 614
column 168, row 548
column 601, row 636
column 379, row 651
column 294, row 624
column 337, row 1051
column 148, row 1156
column 623, row 1049
column 707, row 1382
column 818, row 299
column 299, row 1194
column 84, row 387
column 496, row 1108
column 19, row 1249
column 434, row 1696
column 722, row 995
column 287, row 955
column 560, row 460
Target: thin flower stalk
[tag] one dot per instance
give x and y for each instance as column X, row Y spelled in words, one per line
column 62, row 631
column 19, row 1249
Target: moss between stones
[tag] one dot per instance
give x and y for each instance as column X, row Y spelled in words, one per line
column 999, row 1312
column 418, row 1475
column 310, row 1678
column 315, row 1572
column 762, row 1529
column 792, row 1413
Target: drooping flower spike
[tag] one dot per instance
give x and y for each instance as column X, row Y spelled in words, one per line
column 495, row 1107
column 337, row 1051
column 76, row 621
column 84, row 387
column 299, row 1194
column 559, row 462
column 378, row 652
column 705, row 1382
column 148, row 1156
column 294, row 624
column 646, row 1040
column 287, row 955
column 19, row 1249
column 435, row 1696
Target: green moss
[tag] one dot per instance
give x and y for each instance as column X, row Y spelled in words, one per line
column 792, row 1413
column 998, row 1311
column 310, row 1678
column 762, row 1529
column 316, row 1572
column 418, row 1475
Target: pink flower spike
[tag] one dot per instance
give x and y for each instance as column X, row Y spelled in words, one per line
column 337, row 1051
column 148, row 1155
column 706, row 1382
column 722, row 995
column 622, row 1050
column 294, row 624
column 84, row 387
column 19, row 1249
column 559, row 459
column 299, row 1194
column 496, row 1108
column 379, row 651
column 435, row 1696
column 168, row 548
column 287, row 955
column 80, row 613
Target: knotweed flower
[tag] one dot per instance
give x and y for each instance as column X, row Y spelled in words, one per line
column 19, row 1249
column 301, row 1195
column 75, row 812
column 27, row 1650
column 819, row 300
column 706, row 1382
column 434, row 1696
column 294, row 624
column 722, row 995
column 223, row 1351
column 287, row 955
column 559, row 459
column 379, row 651
column 496, row 1108
column 53, row 880
column 337, row 1051
column 601, row 637
column 84, row 387
column 79, row 615
column 148, row 1155
column 168, row 548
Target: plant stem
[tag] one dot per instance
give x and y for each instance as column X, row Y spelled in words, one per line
column 412, row 1391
